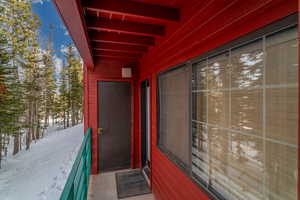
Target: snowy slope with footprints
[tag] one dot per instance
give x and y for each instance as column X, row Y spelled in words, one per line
column 41, row 172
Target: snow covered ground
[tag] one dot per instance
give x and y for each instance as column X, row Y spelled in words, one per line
column 41, row 172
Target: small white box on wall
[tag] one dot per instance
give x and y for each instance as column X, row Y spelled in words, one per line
column 126, row 72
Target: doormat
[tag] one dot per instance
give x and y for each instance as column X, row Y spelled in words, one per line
column 131, row 183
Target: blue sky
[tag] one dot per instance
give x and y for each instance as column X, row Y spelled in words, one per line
column 48, row 16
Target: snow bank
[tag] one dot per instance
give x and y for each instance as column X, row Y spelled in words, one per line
column 41, row 172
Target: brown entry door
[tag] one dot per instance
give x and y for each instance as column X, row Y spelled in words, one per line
column 115, row 125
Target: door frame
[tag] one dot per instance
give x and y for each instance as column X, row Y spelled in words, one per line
column 149, row 78
column 148, row 121
column 131, row 121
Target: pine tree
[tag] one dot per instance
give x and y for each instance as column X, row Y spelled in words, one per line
column 8, row 114
column 75, row 89
column 32, row 80
column 63, row 96
column 17, row 25
column 71, row 88
column 28, row 94
column 49, row 85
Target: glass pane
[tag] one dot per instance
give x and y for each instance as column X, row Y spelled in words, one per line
column 282, row 114
column 247, row 66
column 219, row 159
column 218, row 105
column 199, row 75
column 281, row 172
column 218, row 72
column 282, row 58
column 199, row 106
column 174, row 113
column 246, row 111
column 246, row 166
column 200, row 152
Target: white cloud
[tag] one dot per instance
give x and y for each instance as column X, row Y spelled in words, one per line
column 66, row 32
column 64, row 49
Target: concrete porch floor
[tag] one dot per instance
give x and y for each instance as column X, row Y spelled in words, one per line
column 103, row 186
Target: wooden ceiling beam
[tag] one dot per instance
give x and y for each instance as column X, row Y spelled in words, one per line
column 121, row 61
column 116, row 38
column 118, row 47
column 115, row 58
column 133, row 8
column 117, row 54
column 119, row 26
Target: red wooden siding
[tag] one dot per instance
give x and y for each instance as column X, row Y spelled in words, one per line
column 211, row 25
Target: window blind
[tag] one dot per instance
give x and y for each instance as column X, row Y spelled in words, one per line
column 174, row 112
column 245, row 119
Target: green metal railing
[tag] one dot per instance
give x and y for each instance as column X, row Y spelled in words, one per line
column 76, row 187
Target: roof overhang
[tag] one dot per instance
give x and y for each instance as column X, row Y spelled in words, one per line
column 72, row 16
column 122, row 30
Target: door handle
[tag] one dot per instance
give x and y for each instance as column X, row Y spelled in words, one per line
column 100, row 131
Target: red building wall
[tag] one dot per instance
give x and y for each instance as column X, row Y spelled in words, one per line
column 205, row 26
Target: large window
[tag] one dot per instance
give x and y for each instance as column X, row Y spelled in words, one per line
column 245, row 119
column 236, row 128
